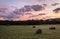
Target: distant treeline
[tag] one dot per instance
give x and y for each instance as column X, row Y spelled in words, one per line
column 29, row 22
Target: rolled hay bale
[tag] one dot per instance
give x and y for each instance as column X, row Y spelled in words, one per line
column 39, row 31
column 52, row 28
column 34, row 26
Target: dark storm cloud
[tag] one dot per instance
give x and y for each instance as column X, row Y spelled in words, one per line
column 37, row 7
column 56, row 10
column 54, row 4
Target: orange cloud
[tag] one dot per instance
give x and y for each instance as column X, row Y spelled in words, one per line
column 43, row 17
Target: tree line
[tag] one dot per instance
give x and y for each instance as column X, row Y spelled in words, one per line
column 29, row 22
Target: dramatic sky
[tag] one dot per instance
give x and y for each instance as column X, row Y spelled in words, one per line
column 29, row 9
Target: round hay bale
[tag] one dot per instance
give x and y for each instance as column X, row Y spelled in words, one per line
column 52, row 28
column 33, row 26
column 39, row 31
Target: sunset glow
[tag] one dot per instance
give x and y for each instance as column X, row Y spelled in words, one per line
column 29, row 9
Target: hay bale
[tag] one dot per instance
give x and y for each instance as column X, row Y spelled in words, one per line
column 39, row 31
column 33, row 26
column 52, row 28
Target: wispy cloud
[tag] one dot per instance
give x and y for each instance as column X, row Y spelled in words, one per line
column 56, row 10
column 54, row 4
column 44, row 4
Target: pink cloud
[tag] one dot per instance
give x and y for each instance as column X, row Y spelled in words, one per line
column 54, row 4
column 1, row 18
column 10, row 9
column 6, row 11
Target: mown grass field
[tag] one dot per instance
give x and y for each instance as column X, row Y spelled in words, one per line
column 27, row 32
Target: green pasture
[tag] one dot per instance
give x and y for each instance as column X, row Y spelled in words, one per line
column 28, row 32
